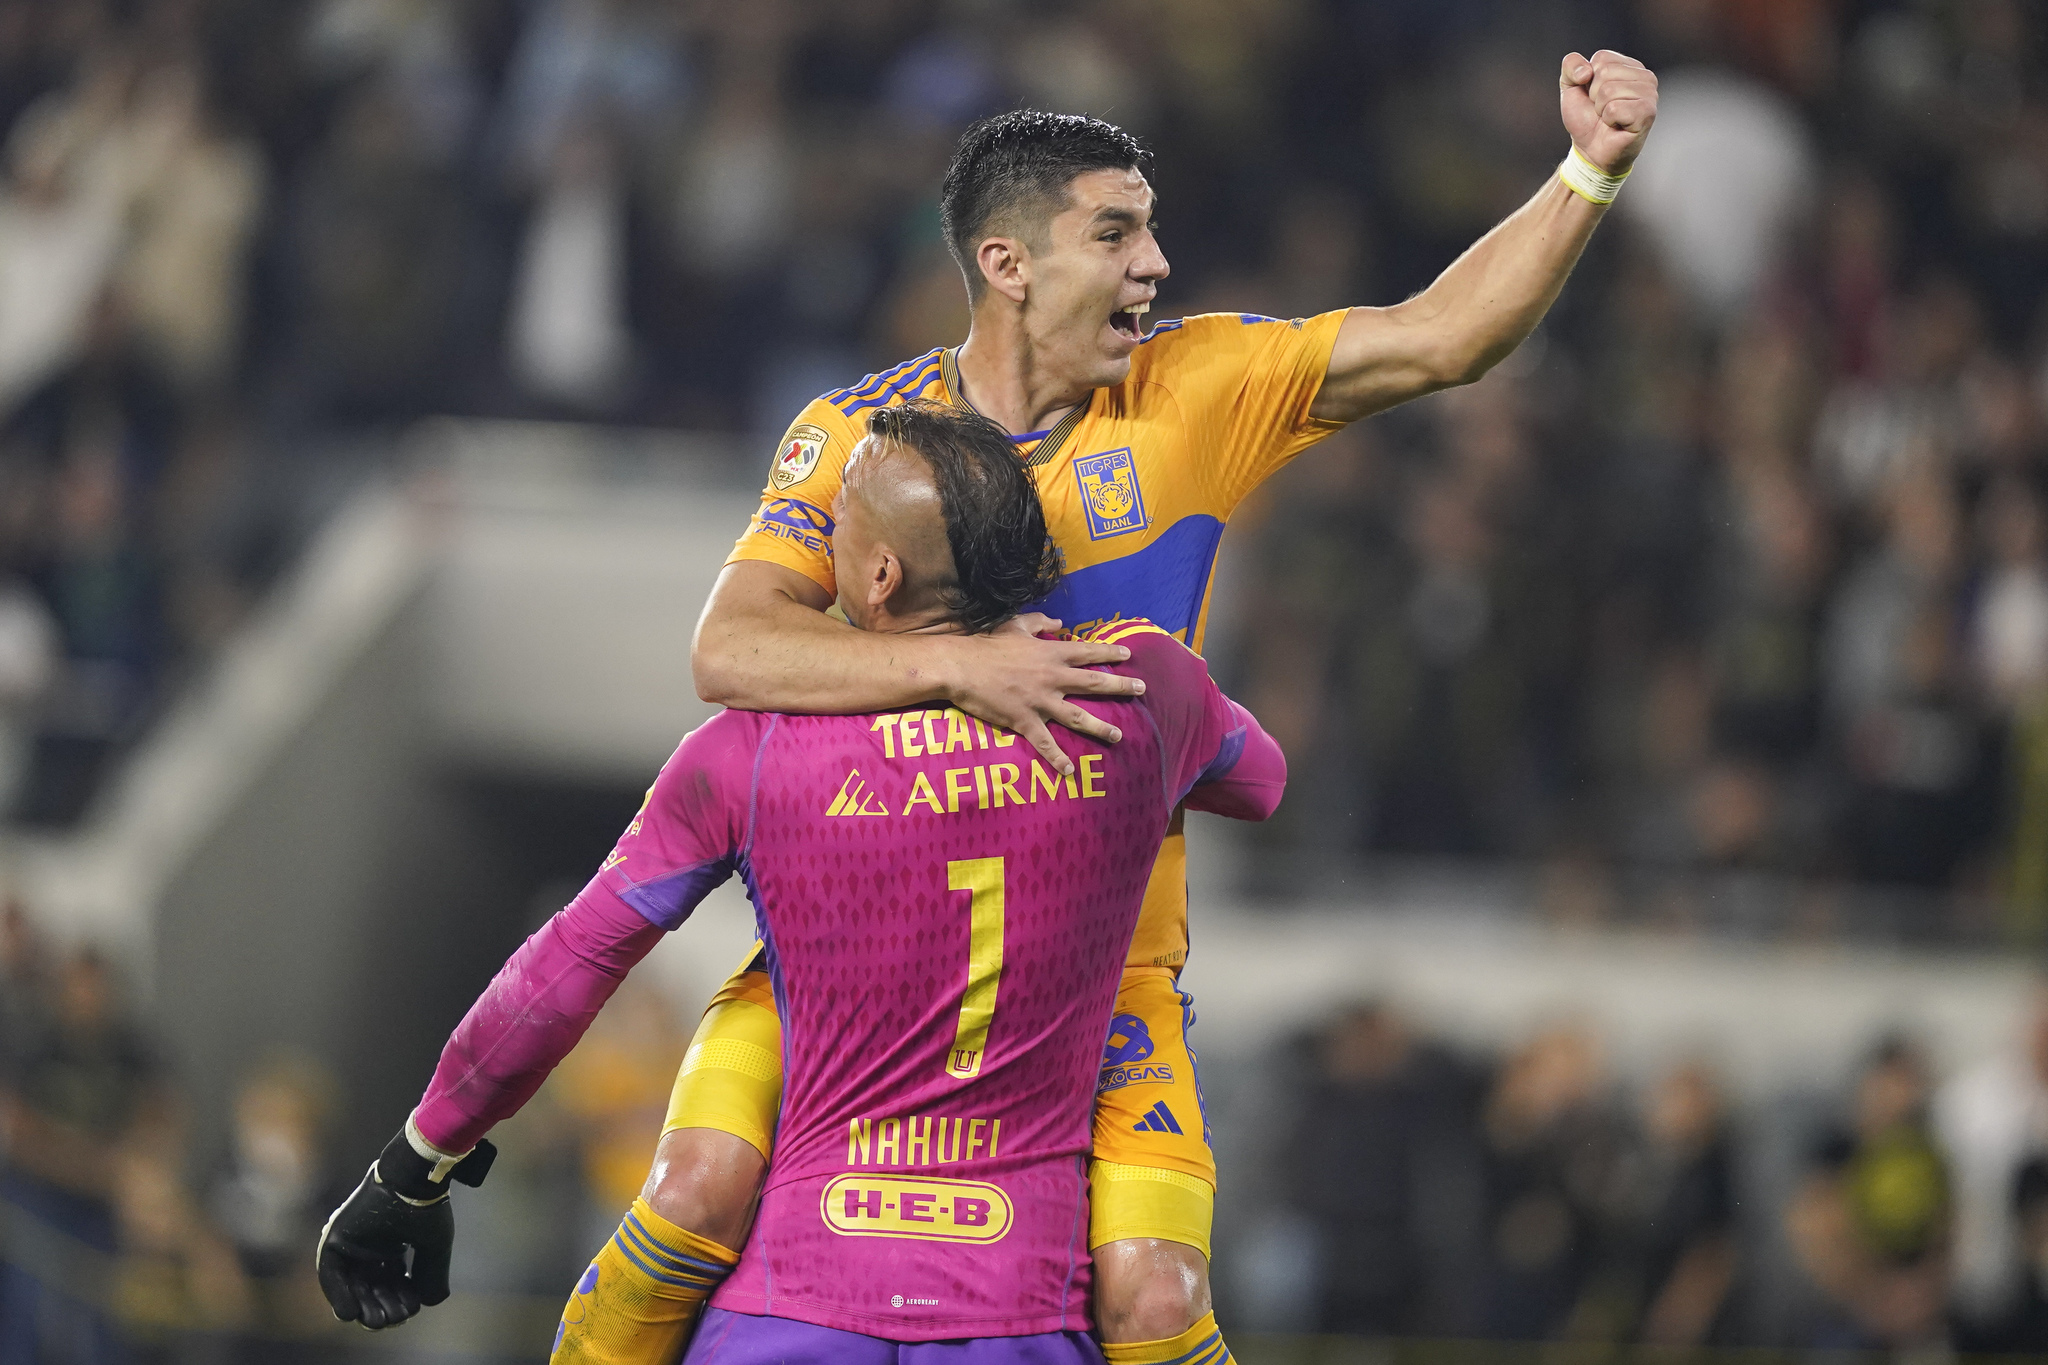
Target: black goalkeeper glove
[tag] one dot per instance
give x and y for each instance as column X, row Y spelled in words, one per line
column 402, row 1203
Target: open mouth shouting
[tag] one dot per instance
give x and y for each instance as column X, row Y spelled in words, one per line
column 1129, row 321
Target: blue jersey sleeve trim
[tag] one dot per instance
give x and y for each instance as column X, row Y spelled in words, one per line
column 869, row 384
column 876, row 382
column 901, row 388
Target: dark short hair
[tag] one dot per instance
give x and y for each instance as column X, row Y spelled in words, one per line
column 1023, row 159
column 1003, row 557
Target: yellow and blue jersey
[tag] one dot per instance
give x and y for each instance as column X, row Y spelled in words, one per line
column 1137, row 482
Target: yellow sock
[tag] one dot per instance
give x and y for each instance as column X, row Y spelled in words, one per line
column 639, row 1299
column 1201, row 1344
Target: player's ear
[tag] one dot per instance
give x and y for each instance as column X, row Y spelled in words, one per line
column 885, row 579
column 1005, row 266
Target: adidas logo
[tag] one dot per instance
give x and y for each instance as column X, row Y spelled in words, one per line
column 1159, row 1119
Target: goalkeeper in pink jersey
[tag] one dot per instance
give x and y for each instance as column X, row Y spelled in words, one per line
column 944, row 917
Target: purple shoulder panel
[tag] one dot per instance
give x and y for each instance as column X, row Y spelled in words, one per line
column 666, row 901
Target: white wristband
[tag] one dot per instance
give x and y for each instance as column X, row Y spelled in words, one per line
column 443, row 1162
column 1588, row 181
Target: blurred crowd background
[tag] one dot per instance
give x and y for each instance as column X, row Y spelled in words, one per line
column 1534, row 1196
column 1723, row 604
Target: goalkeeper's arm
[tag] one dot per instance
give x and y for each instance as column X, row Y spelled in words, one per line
column 525, row 1022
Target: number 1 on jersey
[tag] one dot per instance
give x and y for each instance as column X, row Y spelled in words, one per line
column 982, row 878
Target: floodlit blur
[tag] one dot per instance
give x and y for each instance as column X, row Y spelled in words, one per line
column 1716, row 616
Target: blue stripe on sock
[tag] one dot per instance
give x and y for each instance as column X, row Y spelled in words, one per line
column 627, row 1241
column 1214, row 1339
column 626, row 1249
column 680, row 1260
column 634, row 1242
column 653, row 1250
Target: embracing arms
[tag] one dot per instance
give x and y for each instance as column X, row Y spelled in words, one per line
column 1492, row 297
column 765, row 643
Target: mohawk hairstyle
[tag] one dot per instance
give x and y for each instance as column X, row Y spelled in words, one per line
column 1003, row 557
column 1022, row 160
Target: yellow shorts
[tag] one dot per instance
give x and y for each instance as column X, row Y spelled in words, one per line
column 731, row 1078
column 1153, row 1174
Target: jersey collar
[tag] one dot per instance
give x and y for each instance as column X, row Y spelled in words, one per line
column 1049, row 444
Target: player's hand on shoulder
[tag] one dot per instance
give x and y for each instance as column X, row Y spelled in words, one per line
column 1609, row 102
column 1012, row 678
column 399, row 1207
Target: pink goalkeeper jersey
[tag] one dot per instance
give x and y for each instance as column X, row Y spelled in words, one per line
column 945, row 921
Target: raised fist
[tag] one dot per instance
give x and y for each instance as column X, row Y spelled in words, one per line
column 1609, row 102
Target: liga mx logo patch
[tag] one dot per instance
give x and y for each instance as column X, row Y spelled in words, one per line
column 1110, row 494
column 799, row 455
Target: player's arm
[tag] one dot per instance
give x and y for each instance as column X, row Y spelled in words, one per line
column 1247, row 774
column 1493, row 296
column 534, row 1011
column 518, row 1030
column 1218, row 757
column 765, row 643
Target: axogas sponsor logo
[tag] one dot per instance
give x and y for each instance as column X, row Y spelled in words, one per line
column 1125, row 1056
column 858, row 1205
column 798, row 457
column 1129, row 1041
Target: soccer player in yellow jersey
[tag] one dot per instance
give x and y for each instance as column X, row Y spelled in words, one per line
column 1142, row 440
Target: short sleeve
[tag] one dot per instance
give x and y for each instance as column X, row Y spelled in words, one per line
column 793, row 525
column 1250, row 381
column 691, row 827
